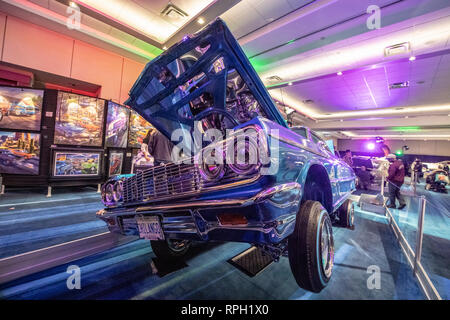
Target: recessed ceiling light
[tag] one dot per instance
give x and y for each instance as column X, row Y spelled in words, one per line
column 164, row 48
column 399, row 85
column 397, row 49
column 339, row 73
column 412, row 58
column 290, row 84
column 200, row 20
column 73, row 4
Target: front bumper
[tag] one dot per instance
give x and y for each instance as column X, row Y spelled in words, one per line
column 270, row 216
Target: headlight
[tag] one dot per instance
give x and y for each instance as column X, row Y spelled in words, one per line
column 211, row 168
column 118, row 191
column 245, row 159
column 112, row 193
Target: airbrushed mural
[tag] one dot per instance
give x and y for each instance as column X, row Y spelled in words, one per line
column 79, row 120
column 19, row 153
column 76, row 164
column 117, row 126
column 138, row 130
column 20, row 108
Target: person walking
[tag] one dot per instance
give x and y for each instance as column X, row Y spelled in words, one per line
column 348, row 158
column 396, row 177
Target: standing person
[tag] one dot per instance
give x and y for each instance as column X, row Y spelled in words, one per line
column 396, row 177
column 348, row 158
column 364, row 178
column 158, row 146
column 417, row 170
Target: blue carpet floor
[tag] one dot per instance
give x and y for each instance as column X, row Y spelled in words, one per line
column 30, row 221
column 127, row 271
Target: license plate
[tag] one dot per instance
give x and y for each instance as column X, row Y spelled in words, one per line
column 150, row 228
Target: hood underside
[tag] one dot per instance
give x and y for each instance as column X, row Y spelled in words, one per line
column 204, row 81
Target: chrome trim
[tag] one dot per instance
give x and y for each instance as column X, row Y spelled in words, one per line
column 232, row 202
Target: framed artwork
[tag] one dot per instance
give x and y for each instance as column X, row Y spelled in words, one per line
column 115, row 163
column 79, row 120
column 76, row 164
column 19, row 152
column 117, row 122
column 21, row 108
column 138, row 130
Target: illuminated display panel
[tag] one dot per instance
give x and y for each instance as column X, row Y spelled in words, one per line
column 21, row 108
column 79, row 120
column 115, row 163
column 117, row 126
column 19, row 152
column 80, row 164
column 138, row 130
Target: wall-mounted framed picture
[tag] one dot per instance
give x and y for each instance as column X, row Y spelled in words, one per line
column 79, row 120
column 21, row 108
column 117, row 122
column 77, row 163
column 115, row 163
column 138, row 130
column 19, row 153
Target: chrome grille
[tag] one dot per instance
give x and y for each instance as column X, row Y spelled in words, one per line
column 168, row 182
column 165, row 181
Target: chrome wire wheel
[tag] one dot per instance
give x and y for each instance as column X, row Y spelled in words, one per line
column 351, row 218
column 326, row 248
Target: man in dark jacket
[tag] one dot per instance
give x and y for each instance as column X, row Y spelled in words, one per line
column 158, row 146
column 396, row 177
column 364, row 178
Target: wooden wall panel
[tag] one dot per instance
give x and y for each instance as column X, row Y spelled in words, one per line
column 98, row 66
column 34, row 47
column 131, row 71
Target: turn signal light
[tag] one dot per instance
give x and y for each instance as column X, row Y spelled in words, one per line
column 229, row 219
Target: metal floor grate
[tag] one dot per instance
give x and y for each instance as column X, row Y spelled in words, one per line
column 252, row 261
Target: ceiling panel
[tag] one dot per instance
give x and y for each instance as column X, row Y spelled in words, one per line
column 367, row 89
column 145, row 16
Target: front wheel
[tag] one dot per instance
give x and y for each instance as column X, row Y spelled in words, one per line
column 168, row 249
column 346, row 214
column 311, row 247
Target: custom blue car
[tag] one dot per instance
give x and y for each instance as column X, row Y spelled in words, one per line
column 285, row 200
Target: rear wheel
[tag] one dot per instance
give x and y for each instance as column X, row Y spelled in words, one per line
column 346, row 214
column 311, row 247
column 170, row 249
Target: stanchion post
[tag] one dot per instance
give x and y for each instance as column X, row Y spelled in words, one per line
column 49, row 191
column 419, row 237
column 382, row 185
column 2, row 186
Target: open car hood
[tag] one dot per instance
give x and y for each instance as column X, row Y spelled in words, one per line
column 202, row 75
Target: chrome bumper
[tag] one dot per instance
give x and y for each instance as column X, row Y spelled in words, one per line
column 192, row 223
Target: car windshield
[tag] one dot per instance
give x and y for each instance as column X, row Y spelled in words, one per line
column 301, row 131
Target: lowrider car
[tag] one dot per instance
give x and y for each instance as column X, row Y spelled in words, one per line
column 285, row 200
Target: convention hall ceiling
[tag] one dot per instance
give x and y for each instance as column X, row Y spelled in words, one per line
column 317, row 57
